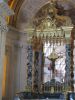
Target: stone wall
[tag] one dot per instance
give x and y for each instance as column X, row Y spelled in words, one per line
column 16, row 63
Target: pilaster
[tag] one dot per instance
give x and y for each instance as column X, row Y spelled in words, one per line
column 3, row 31
column 22, row 63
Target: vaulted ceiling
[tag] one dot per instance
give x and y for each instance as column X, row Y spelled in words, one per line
column 25, row 10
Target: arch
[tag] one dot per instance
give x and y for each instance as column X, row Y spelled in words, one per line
column 15, row 5
column 28, row 10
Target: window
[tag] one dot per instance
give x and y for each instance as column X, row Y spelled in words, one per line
column 60, row 64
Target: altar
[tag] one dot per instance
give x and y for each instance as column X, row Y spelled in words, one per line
column 50, row 64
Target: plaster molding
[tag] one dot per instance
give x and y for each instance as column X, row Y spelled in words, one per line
column 16, row 30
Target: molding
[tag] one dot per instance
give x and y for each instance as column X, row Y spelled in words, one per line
column 16, row 30
column 30, row 31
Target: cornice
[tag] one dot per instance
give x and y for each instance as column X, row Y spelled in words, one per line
column 11, row 28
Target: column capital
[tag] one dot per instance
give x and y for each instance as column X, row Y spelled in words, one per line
column 4, row 12
column 3, row 25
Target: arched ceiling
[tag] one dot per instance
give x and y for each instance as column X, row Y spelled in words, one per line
column 28, row 11
column 25, row 10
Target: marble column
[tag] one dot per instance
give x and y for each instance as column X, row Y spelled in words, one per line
column 29, row 66
column 3, row 30
column 68, row 63
column 72, row 56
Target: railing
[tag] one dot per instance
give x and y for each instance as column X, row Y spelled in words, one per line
column 44, row 96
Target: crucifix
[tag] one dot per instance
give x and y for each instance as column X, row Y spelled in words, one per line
column 53, row 57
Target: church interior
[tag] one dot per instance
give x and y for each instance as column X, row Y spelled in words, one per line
column 37, row 49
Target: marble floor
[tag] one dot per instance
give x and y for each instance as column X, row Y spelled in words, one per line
column 43, row 99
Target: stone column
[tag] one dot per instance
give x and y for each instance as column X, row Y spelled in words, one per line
column 22, row 63
column 3, row 30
